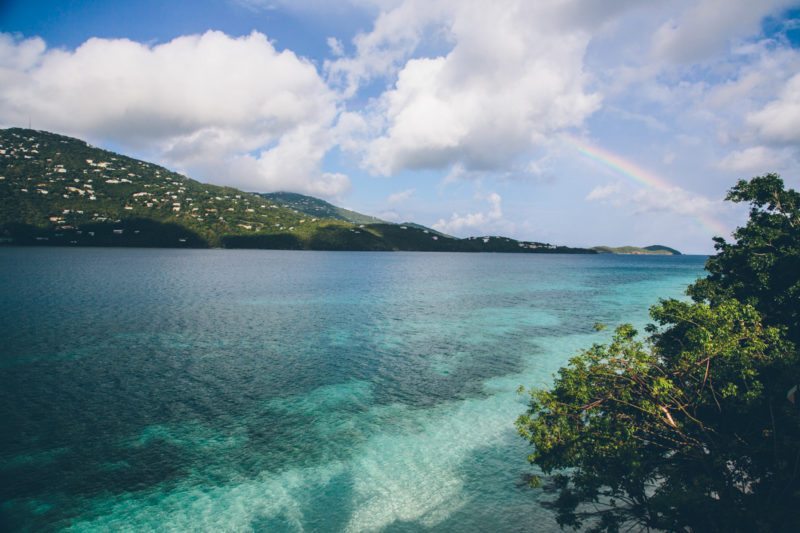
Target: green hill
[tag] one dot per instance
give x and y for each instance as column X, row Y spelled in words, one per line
column 660, row 248
column 315, row 207
column 655, row 249
column 60, row 191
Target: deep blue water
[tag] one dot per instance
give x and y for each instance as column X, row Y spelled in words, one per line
column 289, row 391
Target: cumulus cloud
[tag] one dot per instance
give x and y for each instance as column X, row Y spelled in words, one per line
column 205, row 103
column 778, row 120
column 479, row 220
column 512, row 76
column 395, row 35
column 16, row 56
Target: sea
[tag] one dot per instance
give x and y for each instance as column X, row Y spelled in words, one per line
column 263, row 390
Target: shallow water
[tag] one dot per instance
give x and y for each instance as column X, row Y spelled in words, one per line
column 289, row 391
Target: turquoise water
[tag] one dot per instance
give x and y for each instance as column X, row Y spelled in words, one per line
column 289, row 391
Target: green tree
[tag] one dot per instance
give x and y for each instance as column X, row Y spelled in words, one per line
column 689, row 429
column 762, row 267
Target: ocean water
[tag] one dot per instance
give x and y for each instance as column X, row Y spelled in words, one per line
column 253, row 390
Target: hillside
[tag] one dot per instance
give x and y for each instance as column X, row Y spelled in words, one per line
column 318, row 208
column 655, row 249
column 56, row 190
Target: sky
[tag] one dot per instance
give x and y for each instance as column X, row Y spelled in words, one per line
column 575, row 122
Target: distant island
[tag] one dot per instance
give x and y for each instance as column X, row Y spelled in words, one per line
column 60, row 191
column 655, row 249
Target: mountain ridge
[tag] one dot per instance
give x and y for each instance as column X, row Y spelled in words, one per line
column 58, row 190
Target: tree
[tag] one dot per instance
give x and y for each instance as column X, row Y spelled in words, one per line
column 762, row 267
column 691, row 428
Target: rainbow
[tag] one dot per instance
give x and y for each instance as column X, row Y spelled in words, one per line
column 640, row 176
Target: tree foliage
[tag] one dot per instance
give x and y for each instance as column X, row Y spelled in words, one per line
column 689, row 429
column 762, row 266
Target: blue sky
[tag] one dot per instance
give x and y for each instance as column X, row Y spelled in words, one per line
column 570, row 121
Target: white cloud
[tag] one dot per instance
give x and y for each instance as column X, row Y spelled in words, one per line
column 336, row 46
column 480, row 220
column 726, row 106
column 755, row 103
column 708, row 27
column 400, row 196
column 755, row 159
column 395, row 35
column 513, row 76
column 403, row 25
column 205, row 103
column 674, row 199
column 456, row 173
column 601, row 192
column 18, row 56
column 778, row 120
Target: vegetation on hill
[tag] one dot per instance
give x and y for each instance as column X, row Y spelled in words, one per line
column 696, row 428
column 56, row 190
column 662, row 248
column 59, row 190
column 318, row 208
column 655, row 249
